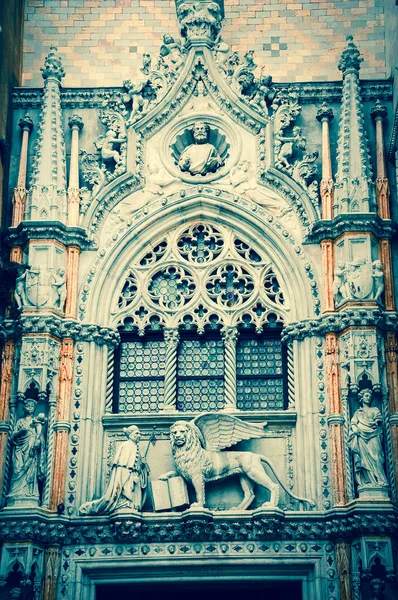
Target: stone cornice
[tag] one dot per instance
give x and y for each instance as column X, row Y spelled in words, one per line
column 54, row 230
column 308, row 93
column 354, row 520
column 350, row 223
column 59, row 328
column 339, row 321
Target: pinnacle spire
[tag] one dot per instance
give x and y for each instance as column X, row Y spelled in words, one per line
column 47, row 193
column 354, row 190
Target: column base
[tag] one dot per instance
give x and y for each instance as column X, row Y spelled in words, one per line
column 373, row 491
column 24, row 501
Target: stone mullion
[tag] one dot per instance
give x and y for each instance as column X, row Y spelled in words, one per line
column 335, row 420
column 230, row 336
column 7, row 366
column 62, row 423
column 172, row 339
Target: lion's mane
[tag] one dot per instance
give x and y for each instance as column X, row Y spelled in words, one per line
column 189, row 457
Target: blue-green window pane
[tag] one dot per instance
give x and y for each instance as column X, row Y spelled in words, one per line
column 200, row 380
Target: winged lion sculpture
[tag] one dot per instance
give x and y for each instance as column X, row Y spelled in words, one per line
column 197, row 445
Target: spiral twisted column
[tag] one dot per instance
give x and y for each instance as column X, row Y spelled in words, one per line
column 110, row 371
column 172, row 338
column 230, row 336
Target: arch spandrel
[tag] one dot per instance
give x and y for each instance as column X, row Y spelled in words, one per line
column 106, row 274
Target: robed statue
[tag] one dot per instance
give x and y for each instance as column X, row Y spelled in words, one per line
column 28, row 456
column 201, row 157
column 365, row 441
column 128, row 481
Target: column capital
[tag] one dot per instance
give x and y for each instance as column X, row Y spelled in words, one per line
column 378, row 112
column 26, row 123
column 75, row 122
column 325, row 113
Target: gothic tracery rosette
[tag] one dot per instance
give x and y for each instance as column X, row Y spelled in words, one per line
column 171, row 287
column 194, row 279
column 230, row 285
column 200, row 243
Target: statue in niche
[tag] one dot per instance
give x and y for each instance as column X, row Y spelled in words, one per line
column 128, row 481
column 196, row 451
column 20, row 289
column 28, row 456
column 358, row 280
column 200, row 158
column 365, row 441
column 58, row 284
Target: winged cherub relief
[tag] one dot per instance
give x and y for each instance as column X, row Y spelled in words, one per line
column 196, row 448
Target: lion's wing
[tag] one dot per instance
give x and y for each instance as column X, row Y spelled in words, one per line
column 221, row 431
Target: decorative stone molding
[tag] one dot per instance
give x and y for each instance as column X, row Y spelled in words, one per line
column 308, row 93
column 54, row 230
column 349, row 223
column 361, row 519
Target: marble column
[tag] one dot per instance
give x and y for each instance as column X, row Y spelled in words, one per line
column 76, row 125
column 19, row 195
column 327, row 248
column 343, row 567
column 172, row 338
column 379, row 113
column 7, row 365
column 62, row 423
column 325, row 116
column 391, row 349
column 52, row 564
column 335, row 419
column 72, row 281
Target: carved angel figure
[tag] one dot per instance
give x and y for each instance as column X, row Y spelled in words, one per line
column 196, row 451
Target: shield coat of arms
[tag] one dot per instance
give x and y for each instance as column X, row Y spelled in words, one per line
column 360, row 281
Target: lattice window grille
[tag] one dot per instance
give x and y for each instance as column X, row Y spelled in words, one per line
column 260, row 373
column 200, row 375
column 140, row 381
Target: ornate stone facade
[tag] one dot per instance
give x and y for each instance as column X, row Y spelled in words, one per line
column 190, row 279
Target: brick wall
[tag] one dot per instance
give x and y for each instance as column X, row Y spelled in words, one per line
column 102, row 40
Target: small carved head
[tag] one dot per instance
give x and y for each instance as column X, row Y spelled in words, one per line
column 179, row 433
column 365, row 397
column 200, row 132
column 133, row 433
column 29, row 405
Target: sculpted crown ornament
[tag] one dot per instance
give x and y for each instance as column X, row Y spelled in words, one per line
column 53, row 65
column 200, row 18
column 350, row 57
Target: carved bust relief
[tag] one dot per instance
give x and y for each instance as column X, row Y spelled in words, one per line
column 200, row 150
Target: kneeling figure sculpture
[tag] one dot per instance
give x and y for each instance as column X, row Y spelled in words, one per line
column 196, row 451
